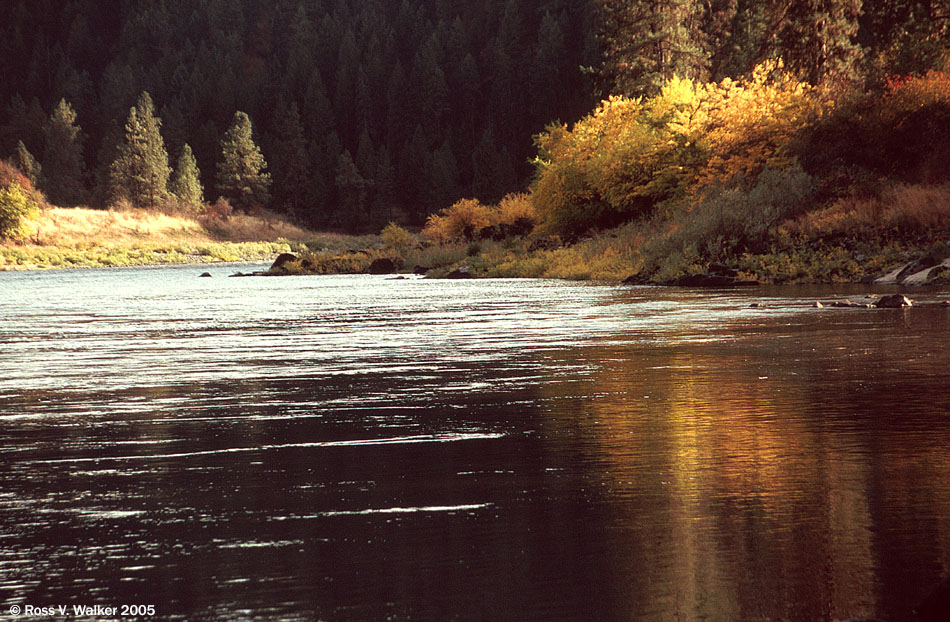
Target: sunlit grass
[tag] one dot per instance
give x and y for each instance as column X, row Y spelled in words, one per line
column 82, row 237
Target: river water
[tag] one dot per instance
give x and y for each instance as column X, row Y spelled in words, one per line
column 357, row 447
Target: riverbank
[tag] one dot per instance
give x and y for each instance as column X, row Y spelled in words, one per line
column 836, row 244
column 89, row 238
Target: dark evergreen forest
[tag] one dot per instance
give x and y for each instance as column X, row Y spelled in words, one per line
column 371, row 110
column 345, row 97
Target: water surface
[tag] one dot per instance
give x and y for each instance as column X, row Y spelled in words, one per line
column 356, row 447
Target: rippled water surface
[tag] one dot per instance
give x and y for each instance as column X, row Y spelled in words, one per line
column 356, row 447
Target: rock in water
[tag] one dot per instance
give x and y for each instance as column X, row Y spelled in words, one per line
column 383, row 265
column 893, row 301
column 281, row 260
column 462, row 272
column 204, row 275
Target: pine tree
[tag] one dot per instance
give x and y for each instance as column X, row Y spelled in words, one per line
column 353, row 192
column 28, row 165
column 816, row 39
column 186, row 182
column 647, row 42
column 62, row 157
column 384, row 184
column 140, row 170
column 291, row 161
column 241, row 174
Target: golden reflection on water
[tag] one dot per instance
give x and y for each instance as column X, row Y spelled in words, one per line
column 760, row 481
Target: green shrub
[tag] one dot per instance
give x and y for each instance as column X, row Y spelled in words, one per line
column 734, row 218
column 15, row 209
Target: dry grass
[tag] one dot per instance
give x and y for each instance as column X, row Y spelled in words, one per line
column 78, row 227
column 900, row 211
column 82, row 237
column 246, row 228
column 81, row 228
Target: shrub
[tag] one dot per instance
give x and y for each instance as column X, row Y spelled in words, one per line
column 901, row 211
column 902, row 132
column 460, row 221
column 15, row 208
column 733, row 218
column 631, row 158
column 11, row 174
column 397, row 239
column 515, row 207
column 220, row 210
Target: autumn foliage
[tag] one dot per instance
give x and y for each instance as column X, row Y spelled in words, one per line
column 467, row 220
column 631, row 157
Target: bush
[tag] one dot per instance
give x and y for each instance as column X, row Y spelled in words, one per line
column 15, row 208
column 734, row 218
column 632, row 158
column 397, row 239
column 899, row 212
column 901, row 132
column 220, row 210
column 460, row 221
column 11, row 174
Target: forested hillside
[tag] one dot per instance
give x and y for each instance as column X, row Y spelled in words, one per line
column 363, row 110
column 349, row 114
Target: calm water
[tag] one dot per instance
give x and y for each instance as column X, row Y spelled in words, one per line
column 354, row 447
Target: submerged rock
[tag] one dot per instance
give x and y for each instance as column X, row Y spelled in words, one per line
column 238, row 274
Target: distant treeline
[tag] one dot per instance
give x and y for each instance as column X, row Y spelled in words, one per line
column 362, row 109
column 370, row 110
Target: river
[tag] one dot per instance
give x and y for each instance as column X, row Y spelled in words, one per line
column 363, row 448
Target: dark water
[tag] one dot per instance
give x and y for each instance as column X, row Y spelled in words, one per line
column 359, row 448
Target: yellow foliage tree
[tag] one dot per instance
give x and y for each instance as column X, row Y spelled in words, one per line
column 751, row 124
column 631, row 156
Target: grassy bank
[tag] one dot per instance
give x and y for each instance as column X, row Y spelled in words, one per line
column 80, row 237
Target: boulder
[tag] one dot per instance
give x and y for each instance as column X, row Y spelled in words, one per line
column 462, row 272
column 204, row 275
column 940, row 275
column 893, row 301
column 636, row 279
column 421, row 270
column 383, row 265
column 281, row 260
column 720, row 269
column 709, row 280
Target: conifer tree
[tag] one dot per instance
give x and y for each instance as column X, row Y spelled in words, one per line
column 648, row 42
column 140, row 170
column 816, row 39
column 241, row 174
column 28, row 164
column 62, row 157
column 186, row 182
column 291, row 161
column 353, row 191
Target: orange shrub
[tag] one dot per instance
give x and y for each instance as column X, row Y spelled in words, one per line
column 10, row 174
column 460, row 221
